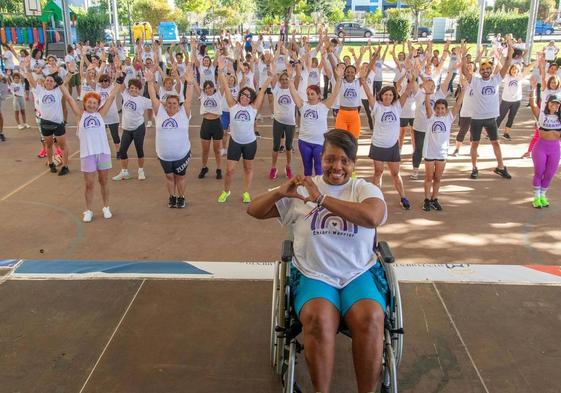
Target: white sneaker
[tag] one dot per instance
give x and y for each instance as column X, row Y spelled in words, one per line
column 27, row 125
column 122, row 176
column 88, row 216
column 223, row 152
column 106, row 212
column 141, row 175
column 149, row 124
column 21, row 126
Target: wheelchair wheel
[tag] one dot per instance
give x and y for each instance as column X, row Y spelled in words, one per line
column 395, row 314
column 290, row 370
column 389, row 366
column 274, row 315
column 282, row 317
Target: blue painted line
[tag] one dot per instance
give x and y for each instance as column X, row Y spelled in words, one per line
column 8, row 262
column 109, row 267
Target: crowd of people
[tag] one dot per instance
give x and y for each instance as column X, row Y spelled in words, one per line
column 303, row 85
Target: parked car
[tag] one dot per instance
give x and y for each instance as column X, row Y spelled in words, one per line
column 423, row 31
column 543, row 28
column 352, row 29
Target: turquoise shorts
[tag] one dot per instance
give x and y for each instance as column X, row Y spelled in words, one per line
column 371, row 285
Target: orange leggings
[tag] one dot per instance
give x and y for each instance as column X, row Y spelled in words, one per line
column 348, row 120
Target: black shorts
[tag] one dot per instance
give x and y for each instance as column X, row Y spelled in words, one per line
column 178, row 167
column 434, row 159
column 385, row 154
column 282, row 130
column 49, row 128
column 212, row 129
column 237, row 150
column 490, row 126
column 268, row 91
column 114, row 129
column 405, row 122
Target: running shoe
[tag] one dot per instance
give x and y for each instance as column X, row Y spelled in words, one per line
column 219, row 174
column 21, row 126
column 288, row 172
column 149, row 124
column 106, row 213
column 203, row 172
column 537, row 202
column 455, row 153
column 507, row 137
column 87, row 216
column 474, row 173
column 223, row 152
column 26, row 125
column 58, row 151
column 414, row 175
column 245, row 197
column 52, row 167
column 122, row 176
column 503, row 173
column 435, row 204
column 141, row 175
column 63, row 171
column 281, row 149
column 42, row 153
column 3, row 139
column 223, row 197
column 257, row 134
column 273, row 173
column 405, row 203
column 544, row 201
column 180, row 202
column 427, row 205
column 172, row 202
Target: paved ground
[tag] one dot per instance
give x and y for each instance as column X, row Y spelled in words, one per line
column 185, row 336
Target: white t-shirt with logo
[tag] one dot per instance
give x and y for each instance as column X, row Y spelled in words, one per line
column 133, row 111
column 437, row 137
column 242, row 120
column 349, row 95
column 369, row 81
column 164, row 94
column 283, row 107
column 211, row 104
column 408, row 109
column 235, row 90
column 17, row 89
column 93, row 138
column 328, row 247
column 378, row 77
column 247, row 80
column 420, row 122
column 485, row 97
column 314, row 77
column 50, row 104
column 386, row 124
column 207, row 74
column 550, row 52
column 8, row 60
column 512, row 90
column 313, row 123
column 549, row 122
column 545, row 96
column 172, row 135
column 112, row 116
column 467, row 103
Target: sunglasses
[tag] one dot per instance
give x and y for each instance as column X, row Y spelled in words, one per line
column 104, row 80
column 246, row 95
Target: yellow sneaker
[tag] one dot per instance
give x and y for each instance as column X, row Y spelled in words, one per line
column 223, row 197
column 246, row 198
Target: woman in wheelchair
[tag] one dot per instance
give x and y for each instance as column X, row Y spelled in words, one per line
column 335, row 273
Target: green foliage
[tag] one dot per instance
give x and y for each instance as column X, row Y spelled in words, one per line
column 336, row 16
column 11, row 6
column 374, row 18
column 495, row 22
column 398, row 25
column 453, row 8
column 21, row 21
column 196, row 6
column 91, row 25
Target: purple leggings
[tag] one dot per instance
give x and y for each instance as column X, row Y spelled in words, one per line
column 311, row 157
column 545, row 155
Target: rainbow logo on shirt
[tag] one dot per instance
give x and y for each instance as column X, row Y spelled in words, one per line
column 313, row 75
column 284, row 100
column 48, row 99
column 130, row 105
column 210, row 103
column 388, row 117
column 350, row 93
column 488, row 91
column 104, row 94
column 326, row 223
column 91, row 122
column 207, row 71
column 169, row 123
column 438, row 127
column 242, row 115
column 311, row 114
column 513, row 83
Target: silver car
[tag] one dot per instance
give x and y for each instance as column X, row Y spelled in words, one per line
column 352, row 29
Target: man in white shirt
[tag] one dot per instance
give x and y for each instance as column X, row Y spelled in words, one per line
column 550, row 52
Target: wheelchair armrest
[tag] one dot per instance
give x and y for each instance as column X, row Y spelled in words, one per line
column 287, row 251
column 385, row 252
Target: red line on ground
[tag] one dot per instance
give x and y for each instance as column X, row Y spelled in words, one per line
column 555, row 270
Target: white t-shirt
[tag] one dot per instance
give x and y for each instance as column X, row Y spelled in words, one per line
column 313, row 123
column 420, row 122
column 247, row 80
column 467, row 103
column 283, row 108
column 545, row 96
column 386, row 124
column 369, row 81
column 437, row 136
column 211, row 104
column 50, row 103
column 172, row 135
column 112, row 116
column 303, row 85
column 93, row 138
column 8, row 60
column 207, row 74
column 70, row 58
column 485, row 97
column 378, row 74
column 349, row 95
column 327, row 247
column 550, row 52
column 314, row 77
column 86, row 88
column 164, row 94
column 242, row 120
column 235, row 90
column 281, row 64
column 549, row 122
column 262, row 69
column 410, row 106
column 17, row 89
column 512, row 90
column 133, row 111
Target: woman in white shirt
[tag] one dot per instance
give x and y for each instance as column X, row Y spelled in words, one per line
column 17, row 88
column 243, row 143
column 511, row 97
column 111, row 118
column 9, row 54
column 348, row 117
column 95, row 154
column 334, row 274
column 173, row 146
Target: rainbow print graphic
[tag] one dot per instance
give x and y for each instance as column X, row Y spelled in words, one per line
column 169, row 123
column 130, row 105
column 326, row 223
column 242, row 115
column 438, row 127
column 91, row 121
column 284, row 100
column 48, row 99
column 311, row 114
column 488, row 91
column 210, row 103
column 388, row 117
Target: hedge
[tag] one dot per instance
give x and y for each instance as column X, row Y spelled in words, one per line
column 91, row 26
column 21, row 21
column 495, row 22
column 399, row 26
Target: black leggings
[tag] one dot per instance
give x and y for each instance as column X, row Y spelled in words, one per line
column 418, row 153
column 508, row 107
column 114, row 129
column 326, row 87
column 136, row 136
column 465, row 124
column 280, row 130
column 366, row 105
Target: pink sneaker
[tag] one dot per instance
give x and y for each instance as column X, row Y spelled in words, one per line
column 288, row 172
column 42, row 153
column 273, row 173
column 58, row 151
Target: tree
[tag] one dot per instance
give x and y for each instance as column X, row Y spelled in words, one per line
column 196, row 6
column 418, row 6
column 154, row 12
column 90, row 26
column 11, row 6
column 453, row 8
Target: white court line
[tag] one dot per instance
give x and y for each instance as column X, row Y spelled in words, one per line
column 112, row 335
column 461, row 339
column 11, row 270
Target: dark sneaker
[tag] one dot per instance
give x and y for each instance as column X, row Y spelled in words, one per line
column 474, row 173
column 257, row 134
column 507, row 137
column 405, row 203
column 2, row 137
column 455, row 153
column 172, row 203
column 180, row 202
column 426, row 205
column 435, row 204
column 52, row 167
column 503, row 173
column 219, row 174
column 281, row 149
column 63, row 171
column 203, row 172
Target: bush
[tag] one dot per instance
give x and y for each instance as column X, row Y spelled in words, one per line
column 398, row 25
column 91, row 26
column 374, row 18
column 495, row 22
column 21, row 21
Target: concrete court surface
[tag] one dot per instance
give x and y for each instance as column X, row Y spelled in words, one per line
column 186, row 336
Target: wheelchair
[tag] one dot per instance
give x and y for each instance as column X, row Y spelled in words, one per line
column 285, row 326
